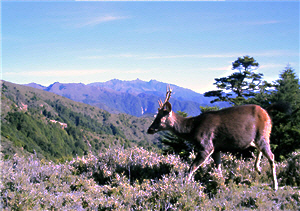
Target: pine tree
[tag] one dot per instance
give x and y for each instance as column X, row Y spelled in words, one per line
column 241, row 84
column 286, row 126
column 287, row 88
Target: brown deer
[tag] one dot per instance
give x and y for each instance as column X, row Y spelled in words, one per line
column 229, row 129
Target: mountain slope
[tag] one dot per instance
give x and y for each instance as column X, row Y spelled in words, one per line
column 28, row 121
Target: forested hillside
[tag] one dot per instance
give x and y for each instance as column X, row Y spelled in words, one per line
column 56, row 127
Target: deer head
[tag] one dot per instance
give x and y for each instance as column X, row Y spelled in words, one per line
column 163, row 119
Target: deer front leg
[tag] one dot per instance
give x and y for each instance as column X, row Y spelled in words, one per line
column 217, row 159
column 200, row 159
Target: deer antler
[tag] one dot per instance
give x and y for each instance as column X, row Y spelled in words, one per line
column 168, row 95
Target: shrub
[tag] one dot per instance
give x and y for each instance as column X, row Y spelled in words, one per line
column 290, row 170
column 136, row 179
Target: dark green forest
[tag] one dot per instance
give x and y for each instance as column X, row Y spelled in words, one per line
column 26, row 124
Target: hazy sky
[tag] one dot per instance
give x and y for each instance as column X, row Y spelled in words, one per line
column 183, row 43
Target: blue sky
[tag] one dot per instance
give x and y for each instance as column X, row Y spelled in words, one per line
column 183, row 43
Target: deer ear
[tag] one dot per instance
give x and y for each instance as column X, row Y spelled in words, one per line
column 168, row 106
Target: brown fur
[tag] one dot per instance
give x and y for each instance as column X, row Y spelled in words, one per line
column 227, row 130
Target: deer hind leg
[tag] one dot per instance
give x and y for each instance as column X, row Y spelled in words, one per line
column 265, row 149
column 200, row 159
column 257, row 161
column 270, row 156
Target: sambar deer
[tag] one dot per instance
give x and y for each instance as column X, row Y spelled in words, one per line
column 228, row 129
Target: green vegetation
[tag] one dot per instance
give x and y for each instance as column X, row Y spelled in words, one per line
column 286, row 125
column 84, row 121
column 26, row 124
column 46, row 139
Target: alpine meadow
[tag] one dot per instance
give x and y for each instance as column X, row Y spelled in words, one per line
column 60, row 154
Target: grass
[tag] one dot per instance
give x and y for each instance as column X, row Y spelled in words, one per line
column 137, row 179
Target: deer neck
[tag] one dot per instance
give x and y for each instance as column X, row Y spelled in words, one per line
column 181, row 126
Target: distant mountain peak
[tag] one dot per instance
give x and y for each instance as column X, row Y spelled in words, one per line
column 135, row 97
column 35, row 85
column 138, row 80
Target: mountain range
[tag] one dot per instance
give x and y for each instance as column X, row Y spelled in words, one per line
column 134, row 97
